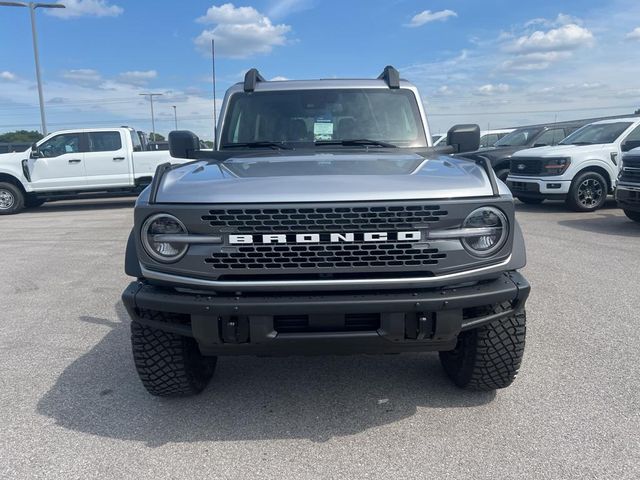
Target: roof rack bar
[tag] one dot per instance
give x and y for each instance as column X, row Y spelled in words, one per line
column 391, row 76
column 251, row 78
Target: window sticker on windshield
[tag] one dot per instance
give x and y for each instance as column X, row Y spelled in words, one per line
column 322, row 129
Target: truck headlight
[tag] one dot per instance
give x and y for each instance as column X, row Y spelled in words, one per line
column 556, row 166
column 493, row 230
column 156, row 232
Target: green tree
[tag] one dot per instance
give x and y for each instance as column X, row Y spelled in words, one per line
column 637, row 112
column 21, row 136
column 156, row 137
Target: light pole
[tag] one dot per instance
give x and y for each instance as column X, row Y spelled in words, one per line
column 32, row 10
column 175, row 116
column 153, row 120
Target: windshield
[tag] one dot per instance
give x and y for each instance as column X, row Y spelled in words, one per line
column 518, row 138
column 309, row 116
column 596, row 133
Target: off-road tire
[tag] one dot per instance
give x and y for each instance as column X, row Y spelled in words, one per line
column 635, row 216
column 11, row 199
column 488, row 357
column 531, row 200
column 169, row 365
column 574, row 200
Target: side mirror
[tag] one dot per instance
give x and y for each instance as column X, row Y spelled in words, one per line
column 35, row 152
column 182, row 143
column 629, row 145
column 464, row 138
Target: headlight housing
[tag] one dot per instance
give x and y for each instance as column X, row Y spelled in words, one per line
column 493, row 231
column 162, row 249
column 556, row 166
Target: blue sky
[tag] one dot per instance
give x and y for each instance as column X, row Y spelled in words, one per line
column 496, row 63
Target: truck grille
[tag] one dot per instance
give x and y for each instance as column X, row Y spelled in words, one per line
column 631, row 170
column 333, row 257
column 322, row 219
column 526, row 166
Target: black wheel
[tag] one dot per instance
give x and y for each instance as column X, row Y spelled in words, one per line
column 487, row 357
column 502, row 174
column 169, row 365
column 531, row 200
column 635, row 216
column 588, row 192
column 34, row 202
column 11, row 199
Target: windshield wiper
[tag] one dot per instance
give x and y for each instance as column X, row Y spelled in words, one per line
column 356, row 142
column 578, row 143
column 276, row 145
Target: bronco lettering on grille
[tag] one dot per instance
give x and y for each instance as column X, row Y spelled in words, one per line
column 408, row 236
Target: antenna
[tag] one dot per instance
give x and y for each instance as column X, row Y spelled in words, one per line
column 215, row 114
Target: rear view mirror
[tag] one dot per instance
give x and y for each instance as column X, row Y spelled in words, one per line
column 464, row 138
column 35, row 153
column 182, row 143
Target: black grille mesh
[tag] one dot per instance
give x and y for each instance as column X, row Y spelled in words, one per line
column 333, row 256
column 322, row 219
column 526, row 166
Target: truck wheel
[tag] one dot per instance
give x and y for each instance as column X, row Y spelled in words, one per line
column 168, row 364
column 632, row 215
column 588, row 192
column 487, row 357
column 11, row 199
column 531, row 200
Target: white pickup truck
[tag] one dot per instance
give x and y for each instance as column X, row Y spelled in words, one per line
column 582, row 169
column 75, row 163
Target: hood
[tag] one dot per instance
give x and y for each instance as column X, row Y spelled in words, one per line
column 562, row 150
column 321, row 177
column 497, row 153
column 12, row 157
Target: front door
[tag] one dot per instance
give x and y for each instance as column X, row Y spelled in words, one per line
column 60, row 164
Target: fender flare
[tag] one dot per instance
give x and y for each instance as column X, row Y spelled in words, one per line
column 131, row 264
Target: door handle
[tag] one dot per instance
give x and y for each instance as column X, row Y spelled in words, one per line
column 118, row 159
column 75, row 160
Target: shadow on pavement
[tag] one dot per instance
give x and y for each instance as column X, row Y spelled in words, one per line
column 249, row 398
column 605, row 223
column 555, row 206
column 79, row 205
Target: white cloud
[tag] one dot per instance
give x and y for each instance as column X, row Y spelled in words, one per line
column 492, row 89
column 6, row 75
column 82, row 76
column 633, row 34
column 444, row 90
column 567, row 37
column 534, row 61
column 137, row 77
column 428, row 16
column 561, row 19
column 278, row 78
column 85, row 8
column 240, row 32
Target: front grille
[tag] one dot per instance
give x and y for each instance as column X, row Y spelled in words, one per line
column 526, row 166
column 321, row 256
column 323, row 219
column 630, row 174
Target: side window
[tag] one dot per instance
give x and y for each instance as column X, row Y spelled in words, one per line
column 550, row 137
column 104, row 141
column 488, row 140
column 60, row 144
column 634, row 136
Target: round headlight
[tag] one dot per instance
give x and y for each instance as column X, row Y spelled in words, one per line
column 493, row 230
column 156, row 234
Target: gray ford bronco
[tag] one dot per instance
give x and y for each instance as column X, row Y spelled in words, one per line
column 324, row 222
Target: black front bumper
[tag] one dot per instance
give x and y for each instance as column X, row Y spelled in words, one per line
column 354, row 322
column 628, row 197
column 531, row 190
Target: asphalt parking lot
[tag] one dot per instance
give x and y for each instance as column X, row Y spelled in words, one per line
column 73, row 407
